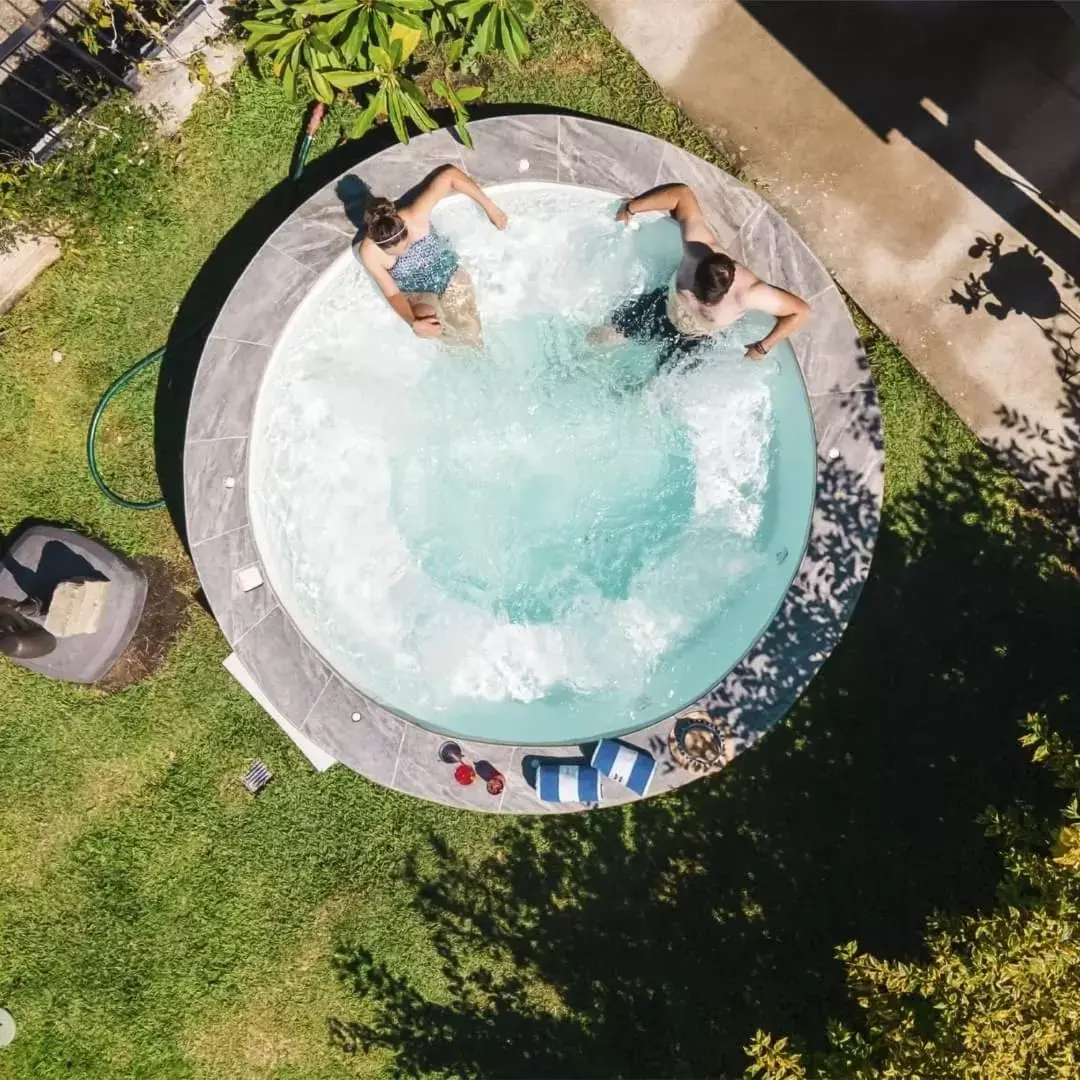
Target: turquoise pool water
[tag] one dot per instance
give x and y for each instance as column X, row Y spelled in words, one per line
column 545, row 541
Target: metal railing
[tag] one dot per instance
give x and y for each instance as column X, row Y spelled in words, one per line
column 49, row 77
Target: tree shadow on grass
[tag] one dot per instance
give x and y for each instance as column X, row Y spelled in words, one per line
column 654, row 941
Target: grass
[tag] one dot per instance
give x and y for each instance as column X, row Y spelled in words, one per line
column 156, row 922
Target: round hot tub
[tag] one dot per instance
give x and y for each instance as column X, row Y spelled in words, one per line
column 540, row 541
column 554, row 537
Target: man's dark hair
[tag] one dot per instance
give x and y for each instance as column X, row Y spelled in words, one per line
column 713, row 277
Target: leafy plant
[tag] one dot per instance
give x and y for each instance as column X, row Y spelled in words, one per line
column 499, row 25
column 397, row 96
column 326, row 47
column 457, row 98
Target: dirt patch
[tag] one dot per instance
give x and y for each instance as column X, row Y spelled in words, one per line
column 164, row 616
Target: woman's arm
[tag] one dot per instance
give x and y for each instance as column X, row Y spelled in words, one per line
column 447, row 180
column 790, row 310
column 423, row 325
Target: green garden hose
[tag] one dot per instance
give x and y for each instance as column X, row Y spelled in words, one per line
column 302, row 155
column 91, row 435
column 317, row 114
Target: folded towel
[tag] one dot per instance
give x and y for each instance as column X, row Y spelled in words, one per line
column 568, row 783
column 627, row 765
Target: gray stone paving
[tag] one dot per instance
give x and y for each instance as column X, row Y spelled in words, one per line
column 358, row 731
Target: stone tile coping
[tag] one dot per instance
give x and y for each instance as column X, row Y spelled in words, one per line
column 561, row 149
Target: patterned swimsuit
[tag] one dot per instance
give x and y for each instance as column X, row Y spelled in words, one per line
column 426, row 266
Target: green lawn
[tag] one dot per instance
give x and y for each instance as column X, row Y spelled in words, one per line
column 155, row 921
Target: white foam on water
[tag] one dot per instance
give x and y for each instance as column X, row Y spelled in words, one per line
column 448, row 527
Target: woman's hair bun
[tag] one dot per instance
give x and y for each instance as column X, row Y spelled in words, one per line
column 378, row 208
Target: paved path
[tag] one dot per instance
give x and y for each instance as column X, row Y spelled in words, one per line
column 892, row 174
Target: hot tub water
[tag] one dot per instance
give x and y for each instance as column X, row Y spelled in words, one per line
column 544, row 541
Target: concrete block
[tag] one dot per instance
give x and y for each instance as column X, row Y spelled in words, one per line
column 20, row 266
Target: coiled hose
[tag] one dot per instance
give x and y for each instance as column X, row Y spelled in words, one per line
column 91, row 435
column 316, row 118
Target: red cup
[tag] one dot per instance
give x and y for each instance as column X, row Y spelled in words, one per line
column 464, row 774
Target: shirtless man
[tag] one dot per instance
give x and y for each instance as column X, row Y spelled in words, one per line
column 709, row 291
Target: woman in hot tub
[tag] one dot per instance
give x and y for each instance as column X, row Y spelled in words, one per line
column 416, row 268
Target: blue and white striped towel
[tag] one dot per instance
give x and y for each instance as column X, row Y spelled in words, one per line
column 568, row 783
column 627, row 765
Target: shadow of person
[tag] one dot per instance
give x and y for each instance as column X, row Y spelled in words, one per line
column 354, row 194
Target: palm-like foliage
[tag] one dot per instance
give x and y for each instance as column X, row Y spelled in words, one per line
column 323, row 47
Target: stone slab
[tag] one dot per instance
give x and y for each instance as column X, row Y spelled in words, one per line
column 166, row 87
column 361, row 733
column 77, row 607
column 319, row 758
column 223, row 398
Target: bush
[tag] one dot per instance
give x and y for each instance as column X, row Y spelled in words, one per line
column 324, row 47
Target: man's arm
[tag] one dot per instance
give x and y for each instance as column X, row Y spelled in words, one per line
column 790, row 310
column 447, row 179
column 678, row 200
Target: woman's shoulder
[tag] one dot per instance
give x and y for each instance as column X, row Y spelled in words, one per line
column 369, row 253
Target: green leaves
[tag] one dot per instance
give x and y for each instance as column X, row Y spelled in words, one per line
column 456, row 97
column 499, row 25
column 329, row 47
column 345, row 80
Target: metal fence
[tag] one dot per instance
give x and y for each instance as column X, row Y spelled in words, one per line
column 48, row 74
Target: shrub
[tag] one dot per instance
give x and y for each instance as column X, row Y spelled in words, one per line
column 324, row 47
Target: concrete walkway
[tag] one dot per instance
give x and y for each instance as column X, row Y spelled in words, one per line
column 883, row 132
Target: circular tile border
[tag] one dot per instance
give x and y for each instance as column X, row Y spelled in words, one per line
column 326, row 711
